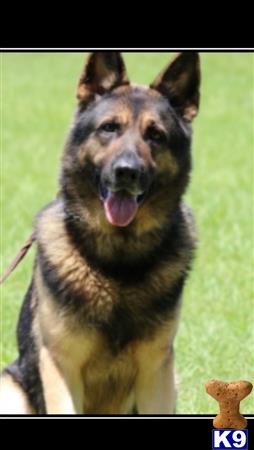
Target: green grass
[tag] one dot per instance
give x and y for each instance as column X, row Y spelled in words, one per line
column 216, row 334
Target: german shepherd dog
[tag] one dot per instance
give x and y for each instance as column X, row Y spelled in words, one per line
column 97, row 325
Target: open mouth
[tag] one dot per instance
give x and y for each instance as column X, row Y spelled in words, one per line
column 120, row 206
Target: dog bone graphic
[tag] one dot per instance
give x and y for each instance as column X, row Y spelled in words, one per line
column 229, row 396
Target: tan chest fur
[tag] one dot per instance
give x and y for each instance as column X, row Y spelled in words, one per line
column 100, row 381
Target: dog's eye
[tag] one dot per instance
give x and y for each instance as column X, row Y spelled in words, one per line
column 110, row 127
column 155, row 135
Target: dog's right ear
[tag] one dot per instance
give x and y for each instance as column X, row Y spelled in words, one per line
column 103, row 72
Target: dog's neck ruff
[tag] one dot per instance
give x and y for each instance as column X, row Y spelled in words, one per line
column 70, row 216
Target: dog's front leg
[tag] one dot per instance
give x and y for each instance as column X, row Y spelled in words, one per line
column 56, row 387
column 156, row 393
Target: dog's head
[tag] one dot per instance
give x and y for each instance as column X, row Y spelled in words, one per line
column 127, row 159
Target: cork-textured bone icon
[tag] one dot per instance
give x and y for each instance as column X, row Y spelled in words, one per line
column 229, row 396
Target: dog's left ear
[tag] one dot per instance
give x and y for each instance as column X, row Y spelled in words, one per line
column 103, row 72
column 180, row 82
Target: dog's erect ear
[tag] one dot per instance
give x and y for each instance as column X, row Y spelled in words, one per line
column 103, row 72
column 179, row 82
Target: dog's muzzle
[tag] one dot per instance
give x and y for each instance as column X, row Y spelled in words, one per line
column 123, row 187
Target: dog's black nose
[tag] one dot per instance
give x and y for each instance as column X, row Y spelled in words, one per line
column 127, row 170
column 125, row 173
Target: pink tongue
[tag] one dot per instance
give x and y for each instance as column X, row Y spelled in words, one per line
column 120, row 209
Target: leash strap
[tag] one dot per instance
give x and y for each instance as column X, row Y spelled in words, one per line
column 22, row 252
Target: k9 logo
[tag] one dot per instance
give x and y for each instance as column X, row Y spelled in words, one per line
column 230, row 439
